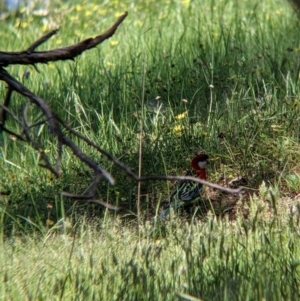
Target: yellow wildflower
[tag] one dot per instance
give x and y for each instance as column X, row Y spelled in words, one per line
column 74, row 18
column 79, row 8
column 138, row 23
column 45, row 28
column 102, row 12
column 49, row 222
column 114, row 43
column 95, row 7
column 186, row 2
column 276, row 127
column 178, row 130
column 24, row 25
column 181, row 116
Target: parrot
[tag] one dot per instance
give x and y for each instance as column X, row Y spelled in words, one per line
column 187, row 191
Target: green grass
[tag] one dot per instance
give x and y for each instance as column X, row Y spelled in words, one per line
column 257, row 259
column 236, row 64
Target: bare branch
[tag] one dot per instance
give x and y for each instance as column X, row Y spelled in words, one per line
column 129, row 172
column 30, row 57
column 36, row 145
column 76, row 196
column 37, row 124
column 59, row 155
column 3, row 112
column 11, row 114
column 86, row 198
column 95, row 183
column 4, row 129
column 104, row 204
column 193, row 179
column 40, row 41
column 4, row 193
column 53, row 123
column 296, row 3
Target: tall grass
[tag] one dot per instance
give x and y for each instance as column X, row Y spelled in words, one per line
column 247, row 122
column 256, row 259
column 216, row 76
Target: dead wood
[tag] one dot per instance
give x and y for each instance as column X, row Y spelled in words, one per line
column 58, row 127
column 31, row 57
column 296, row 3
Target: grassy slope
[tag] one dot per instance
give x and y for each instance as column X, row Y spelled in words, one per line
column 248, row 123
column 214, row 260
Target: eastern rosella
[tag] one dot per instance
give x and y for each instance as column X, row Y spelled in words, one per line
column 187, row 191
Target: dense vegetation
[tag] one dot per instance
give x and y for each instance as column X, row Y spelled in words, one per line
column 214, row 76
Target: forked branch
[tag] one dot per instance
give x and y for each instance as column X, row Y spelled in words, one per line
column 57, row 127
column 31, row 57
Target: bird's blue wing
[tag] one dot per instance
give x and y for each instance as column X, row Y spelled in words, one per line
column 191, row 193
column 185, row 192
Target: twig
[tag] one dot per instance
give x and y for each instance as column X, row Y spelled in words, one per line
column 193, row 179
column 59, row 156
column 129, row 172
column 36, row 145
column 3, row 115
column 104, row 204
column 53, row 123
column 138, row 201
column 37, row 124
column 15, row 118
column 3, row 128
column 31, row 57
column 296, row 2
column 40, row 41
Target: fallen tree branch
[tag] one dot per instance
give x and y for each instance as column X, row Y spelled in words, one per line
column 4, row 129
column 3, row 114
column 30, row 57
column 56, row 125
column 296, row 3
column 53, row 123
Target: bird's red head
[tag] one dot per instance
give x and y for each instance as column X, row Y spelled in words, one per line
column 199, row 164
